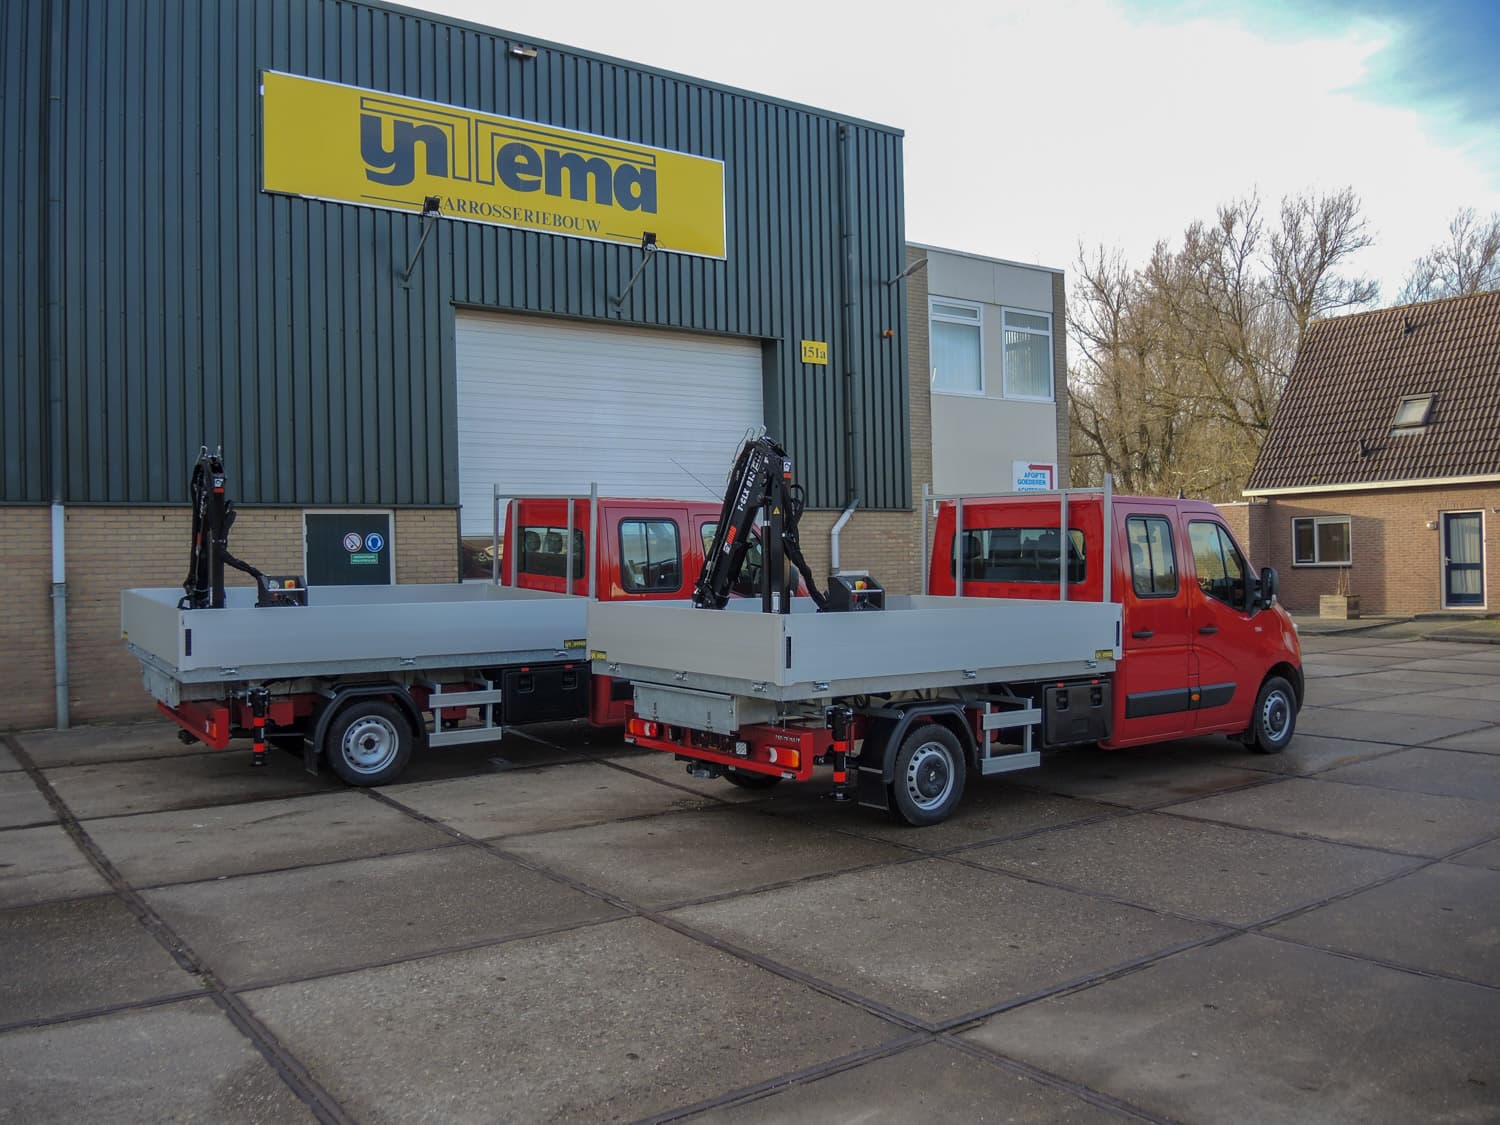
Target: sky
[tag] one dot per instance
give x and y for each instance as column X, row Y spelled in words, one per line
column 1033, row 128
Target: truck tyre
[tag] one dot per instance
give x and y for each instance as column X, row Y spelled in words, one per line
column 1275, row 718
column 369, row 742
column 930, row 774
column 747, row 780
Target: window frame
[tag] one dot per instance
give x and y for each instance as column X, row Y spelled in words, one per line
column 1399, row 428
column 1051, row 395
column 1316, row 521
column 1074, row 539
column 677, row 540
column 1165, row 521
column 933, row 316
column 524, row 557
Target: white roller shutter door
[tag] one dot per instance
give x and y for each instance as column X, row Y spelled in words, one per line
column 549, row 406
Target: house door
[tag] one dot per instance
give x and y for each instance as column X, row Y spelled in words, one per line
column 1463, row 559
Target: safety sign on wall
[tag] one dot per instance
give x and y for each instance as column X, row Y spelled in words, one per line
column 348, row 548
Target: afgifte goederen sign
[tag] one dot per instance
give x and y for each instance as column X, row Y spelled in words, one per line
column 343, row 143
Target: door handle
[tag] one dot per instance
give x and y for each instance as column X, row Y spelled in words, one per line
column 1143, row 634
column 1208, row 629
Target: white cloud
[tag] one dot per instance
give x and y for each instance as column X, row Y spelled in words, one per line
column 1030, row 128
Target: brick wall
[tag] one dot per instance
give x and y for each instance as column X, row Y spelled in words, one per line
column 114, row 549
column 1396, row 559
column 26, row 586
column 1251, row 526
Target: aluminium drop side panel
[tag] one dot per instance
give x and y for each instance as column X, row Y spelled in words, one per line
column 350, row 629
column 916, row 642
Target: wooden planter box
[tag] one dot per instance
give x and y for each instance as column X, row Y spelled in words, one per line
column 1340, row 607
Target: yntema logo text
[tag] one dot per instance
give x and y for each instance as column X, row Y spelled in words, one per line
column 344, row 143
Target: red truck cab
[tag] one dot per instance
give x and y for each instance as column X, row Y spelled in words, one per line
column 1205, row 647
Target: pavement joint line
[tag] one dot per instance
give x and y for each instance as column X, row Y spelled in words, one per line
column 310, row 865
column 282, row 1062
column 103, row 1010
column 54, row 823
column 1055, row 1081
column 234, row 802
column 1383, row 962
column 633, row 818
column 1286, row 835
column 802, row 1077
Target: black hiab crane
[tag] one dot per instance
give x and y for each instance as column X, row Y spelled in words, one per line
column 761, row 482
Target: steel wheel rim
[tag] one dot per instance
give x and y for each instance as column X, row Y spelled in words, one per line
column 1276, row 715
column 929, row 776
column 370, row 744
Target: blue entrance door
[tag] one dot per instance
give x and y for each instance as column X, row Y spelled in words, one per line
column 1463, row 559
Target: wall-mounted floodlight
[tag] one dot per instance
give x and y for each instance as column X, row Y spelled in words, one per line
column 431, row 206
column 648, row 251
column 520, row 51
column 908, row 271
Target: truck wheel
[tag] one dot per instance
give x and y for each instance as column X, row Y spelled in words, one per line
column 930, row 773
column 369, row 743
column 747, row 780
column 1275, row 717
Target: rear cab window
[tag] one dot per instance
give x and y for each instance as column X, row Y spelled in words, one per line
column 1020, row 554
column 544, row 552
column 1153, row 565
column 650, row 556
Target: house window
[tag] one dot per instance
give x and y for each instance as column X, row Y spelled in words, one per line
column 957, row 357
column 1027, row 354
column 1320, row 541
column 1153, row 566
column 1412, row 414
column 650, row 556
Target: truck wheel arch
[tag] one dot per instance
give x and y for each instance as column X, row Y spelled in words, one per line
column 341, row 696
column 887, row 734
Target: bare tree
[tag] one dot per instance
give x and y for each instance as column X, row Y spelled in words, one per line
column 1468, row 263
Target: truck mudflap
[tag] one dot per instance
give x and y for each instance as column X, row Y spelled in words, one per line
column 883, row 733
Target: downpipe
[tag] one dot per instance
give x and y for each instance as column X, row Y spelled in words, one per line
column 833, row 536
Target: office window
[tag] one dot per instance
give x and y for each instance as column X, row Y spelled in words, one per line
column 1028, row 354
column 1321, row 541
column 955, row 351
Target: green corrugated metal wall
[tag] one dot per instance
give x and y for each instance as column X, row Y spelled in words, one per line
column 192, row 305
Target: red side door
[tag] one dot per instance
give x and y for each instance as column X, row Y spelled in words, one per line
column 1232, row 649
column 1153, row 683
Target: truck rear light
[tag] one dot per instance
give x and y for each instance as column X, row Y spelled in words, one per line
column 643, row 729
column 781, row 756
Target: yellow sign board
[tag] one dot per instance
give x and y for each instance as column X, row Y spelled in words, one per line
column 815, row 351
column 352, row 145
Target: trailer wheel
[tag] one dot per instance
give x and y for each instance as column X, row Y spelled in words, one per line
column 1275, row 718
column 930, row 774
column 747, row 780
column 368, row 743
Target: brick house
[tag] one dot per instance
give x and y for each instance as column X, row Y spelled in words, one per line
column 1381, row 473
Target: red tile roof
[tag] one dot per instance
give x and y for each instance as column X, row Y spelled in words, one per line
column 1333, row 424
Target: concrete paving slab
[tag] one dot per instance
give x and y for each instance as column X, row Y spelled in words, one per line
column 1487, row 855
column 519, row 749
column 259, row 928
column 1253, row 1029
column 1420, row 703
column 21, row 802
column 614, row 1022
column 42, row 865
column 1332, row 692
column 1217, row 873
column 8, row 762
column 1404, row 680
column 1491, row 693
column 1447, row 773
column 1305, row 754
column 540, row 800
column 1483, row 661
column 80, row 955
column 690, row 856
column 1141, row 776
column 1444, row 918
column 191, row 844
column 1344, row 666
column 669, row 771
column 1418, row 824
column 932, row 1082
column 939, row 939
column 178, row 1062
column 1485, row 740
column 106, row 742
column 1394, row 730
column 191, row 781
column 992, row 809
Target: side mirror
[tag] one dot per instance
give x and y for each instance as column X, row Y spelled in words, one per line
column 1270, row 585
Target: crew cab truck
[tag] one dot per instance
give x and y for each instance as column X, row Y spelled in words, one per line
column 1151, row 630
column 359, row 677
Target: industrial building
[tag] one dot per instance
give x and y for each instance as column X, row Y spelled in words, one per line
column 393, row 263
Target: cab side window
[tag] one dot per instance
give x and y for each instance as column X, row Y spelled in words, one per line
column 1153, row 566
column 1221, row 570
column 650, row 556
column 747, row 585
